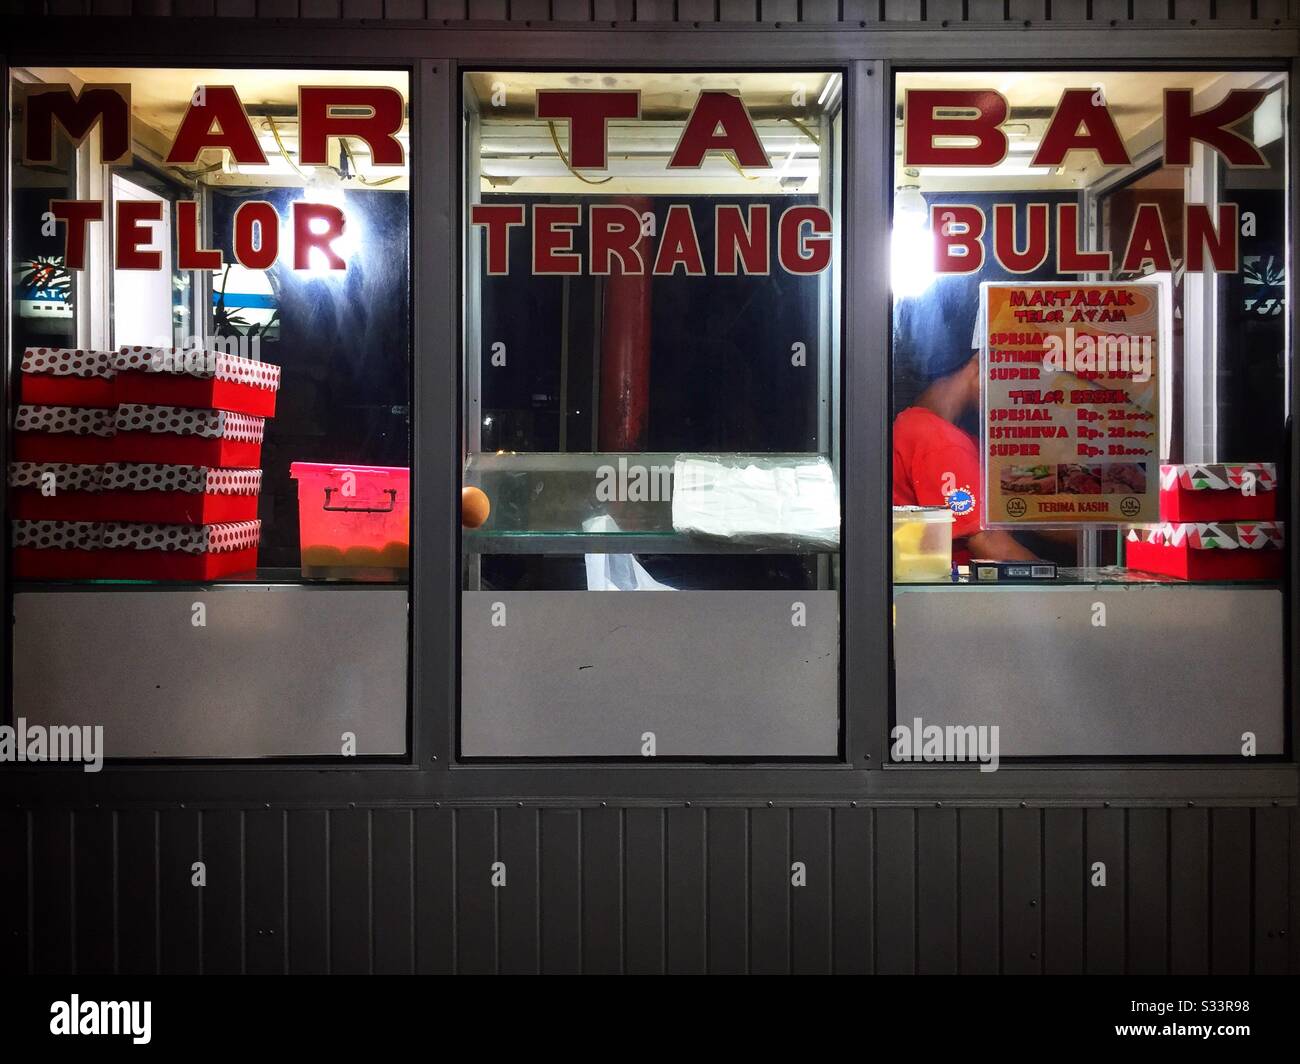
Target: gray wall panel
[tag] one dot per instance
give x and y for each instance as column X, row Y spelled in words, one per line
column 518, row 918
column 1189, row 891
column 812, row 906
column 728, row 913
column 393, row 887
column 180, row 913
column 1230, row 891
column 686, row 890
column 937, row 900
column 1270, row 914
column 981, row 889
column 769, row 891
column 435, row 892
column 351, row 933
column 1064, row 883
column 1148, row 882
column 298, row 667
column 222, row 899
column 854, row 905
column 602, row 891
column 561, row 858
column 1105, row 910
column 1187, row 669
column 137, row 905
column 1022, row 889
column 641, row 889
column 95, row 890
column 895, row 891
column 577, row 673
column 265, row 942
column 308, row 891
column 476, row 898
column 645, row 893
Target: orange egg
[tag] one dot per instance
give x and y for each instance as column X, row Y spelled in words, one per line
column 474, row 507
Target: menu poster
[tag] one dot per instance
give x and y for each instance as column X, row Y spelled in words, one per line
column 1071, row 410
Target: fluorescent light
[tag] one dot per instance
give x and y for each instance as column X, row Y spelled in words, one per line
column 1001, row 170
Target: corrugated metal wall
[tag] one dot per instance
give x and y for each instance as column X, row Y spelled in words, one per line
column 814, row 12
column 681, row 889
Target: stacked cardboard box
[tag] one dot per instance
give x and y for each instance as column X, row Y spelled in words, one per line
column 1218, row 522
column 140, row 464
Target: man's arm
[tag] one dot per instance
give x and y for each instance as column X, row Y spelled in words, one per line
column 998, row 546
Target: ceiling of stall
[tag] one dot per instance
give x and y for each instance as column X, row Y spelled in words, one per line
column 518, row 152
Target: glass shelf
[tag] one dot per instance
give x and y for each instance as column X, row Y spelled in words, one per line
column 606, row 503
column 1113, row 575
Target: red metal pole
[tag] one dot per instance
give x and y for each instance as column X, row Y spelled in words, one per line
column 625, row 352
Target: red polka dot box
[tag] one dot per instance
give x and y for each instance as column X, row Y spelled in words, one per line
column 99, row 550
column 174, row 435
column 71, row 434
column 208, row 380
column 62, row 376
column 165, row 494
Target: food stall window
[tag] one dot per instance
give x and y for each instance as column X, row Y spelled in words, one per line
column 651, row 409
column 210, row 395
column 1090, row 379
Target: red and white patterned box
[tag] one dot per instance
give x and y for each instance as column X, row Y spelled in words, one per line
column 73, row 434
column 177, row 494
column 57, row 550
column 55, row 491
column 1218, row 491
column 178, row 552
column 209, row 380
column 62, row 376
column 1225, row 550
column 173, row 435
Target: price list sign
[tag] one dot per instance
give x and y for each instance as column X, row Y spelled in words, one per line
column 1071, row 403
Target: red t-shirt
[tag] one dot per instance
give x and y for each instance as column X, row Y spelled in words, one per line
column 931, row 454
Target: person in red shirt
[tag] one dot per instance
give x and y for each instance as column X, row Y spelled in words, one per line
column 938, row 464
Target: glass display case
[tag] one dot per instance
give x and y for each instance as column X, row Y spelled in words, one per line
column 651, row 407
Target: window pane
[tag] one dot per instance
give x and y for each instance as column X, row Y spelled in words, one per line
column 651, row 406
column 1090, row 371
column 211, row 369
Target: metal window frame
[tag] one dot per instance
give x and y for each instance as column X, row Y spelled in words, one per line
column 434, row 55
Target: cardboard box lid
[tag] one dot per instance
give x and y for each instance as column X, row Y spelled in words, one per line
column 182, row 421
column 68, row 476
column 190, row 539
column 203, row 480
column 65, row 420
column 208, row 365
column 68, row 362
column 1221, row 535
column 58, row 535
column 1219, row 476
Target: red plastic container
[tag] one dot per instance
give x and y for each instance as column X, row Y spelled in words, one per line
column 354, row 521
